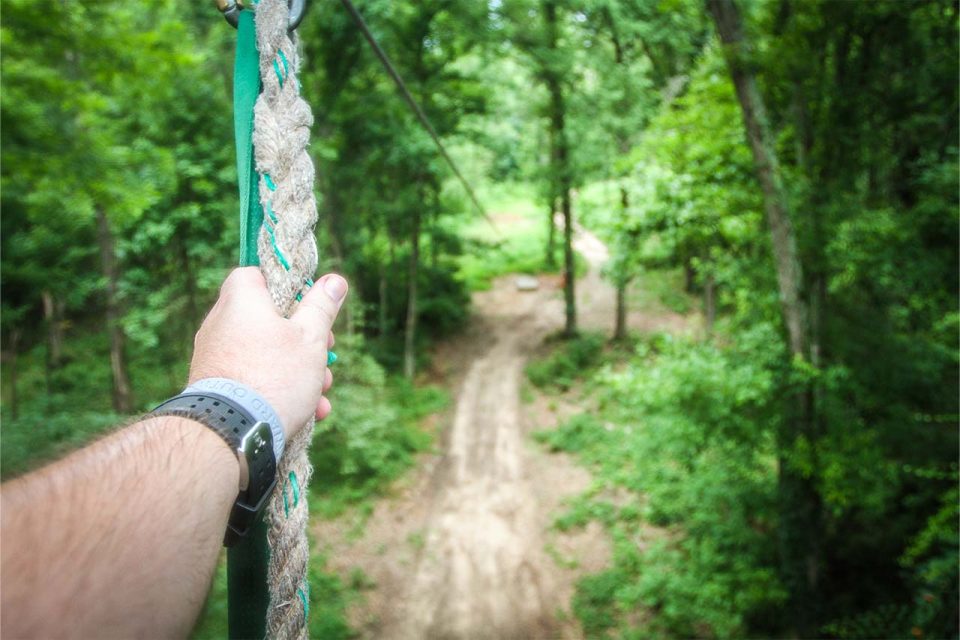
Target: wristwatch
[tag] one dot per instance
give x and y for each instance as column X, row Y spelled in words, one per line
column 251, row 439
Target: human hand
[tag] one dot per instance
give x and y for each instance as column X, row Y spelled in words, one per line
column 244, row 338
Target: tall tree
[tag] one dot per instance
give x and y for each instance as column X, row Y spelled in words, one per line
column 801, row 515
column 560, row 169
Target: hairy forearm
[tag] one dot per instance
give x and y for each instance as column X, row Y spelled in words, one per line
column 120, row 538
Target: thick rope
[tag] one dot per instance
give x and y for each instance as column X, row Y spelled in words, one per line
column 288, row 259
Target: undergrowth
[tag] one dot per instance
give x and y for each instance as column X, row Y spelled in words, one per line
column 568, row 362
column 676, row 437
column 490, row 253
column 683, row 448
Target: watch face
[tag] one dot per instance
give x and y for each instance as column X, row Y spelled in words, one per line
column 258, row 465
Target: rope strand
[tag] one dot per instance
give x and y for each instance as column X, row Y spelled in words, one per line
column 288, row 259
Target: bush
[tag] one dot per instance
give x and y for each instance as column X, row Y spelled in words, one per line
column 689, row 427
column 372, row 434
column 568, row 363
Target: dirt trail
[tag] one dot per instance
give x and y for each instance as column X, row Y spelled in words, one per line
column 466, row 550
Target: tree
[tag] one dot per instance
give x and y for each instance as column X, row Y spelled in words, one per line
column 545, row 45
column 801, row 517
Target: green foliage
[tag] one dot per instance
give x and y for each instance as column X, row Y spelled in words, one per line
column 690, row 427
column 119, row 110
column 493, row 253
column 595, row 602
column 571, row 361
column 932, row 558
column 38, row 437
column 656, row 289
column 871, row 190
column 329, row 599
column 372, row 435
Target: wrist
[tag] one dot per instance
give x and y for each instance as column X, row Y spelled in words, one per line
column 197, row 442
column 249, row 400
column 225, row 413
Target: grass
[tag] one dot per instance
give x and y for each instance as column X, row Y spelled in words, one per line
column 559, row 559
column 417, row 540
column 661, row 289
column 492, row 252
column 569, row 362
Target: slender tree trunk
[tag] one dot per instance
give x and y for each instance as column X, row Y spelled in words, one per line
column 53, row 315
column 410, row 330
column 801, row 512
column 561, row 170
column 789, row 273
column 382, row 305
column 122, row 394
column 623, row 279
column 332, row 210
column 709, row 302
column 14, row 357
column 192, row 320
column 689, row 275
column 53, row 318
column 384, row 288
column 620, row 327
column 551, row 261
column 569, row 270
column 622, row 276
column 552, row 203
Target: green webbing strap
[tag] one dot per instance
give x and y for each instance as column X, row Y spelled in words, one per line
column 246, row 88
column 247, row 593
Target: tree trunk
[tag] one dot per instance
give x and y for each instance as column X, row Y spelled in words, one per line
column 382, row 310
column 332, row 209
column 709, row 303
column 190, row 291
column 561, row 171
column 122, row 394
column 410, row 330
column 689, row 275
column 569, row 271
column 53, row 308
column 620, row 328
column 14, row 356
column 789, row 273
column 800, row 504
column 623, row 279
column 551, row 261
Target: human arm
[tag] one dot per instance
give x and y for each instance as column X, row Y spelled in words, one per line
column 121, row 538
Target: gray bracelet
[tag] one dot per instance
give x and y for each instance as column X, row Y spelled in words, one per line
column 249, row 400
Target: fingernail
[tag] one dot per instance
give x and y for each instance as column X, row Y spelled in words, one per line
column 331, row 358
column 336, row 287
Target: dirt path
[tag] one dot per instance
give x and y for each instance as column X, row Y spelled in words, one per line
column 465, row 550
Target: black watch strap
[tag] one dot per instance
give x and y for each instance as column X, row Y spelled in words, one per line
column 216, row 411
column 252, row 441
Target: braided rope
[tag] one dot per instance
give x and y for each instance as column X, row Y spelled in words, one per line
column 288, row 258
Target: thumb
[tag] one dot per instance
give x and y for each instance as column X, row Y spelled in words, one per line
column 318, row 310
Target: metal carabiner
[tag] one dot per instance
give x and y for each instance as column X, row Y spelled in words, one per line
column 231, row 11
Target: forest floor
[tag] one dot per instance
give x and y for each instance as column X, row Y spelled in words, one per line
column 463, row 546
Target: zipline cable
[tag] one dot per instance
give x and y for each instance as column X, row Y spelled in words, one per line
column 401, row 85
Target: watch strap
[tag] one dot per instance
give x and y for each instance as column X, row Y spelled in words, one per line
column 247, row 399
column 215, row 411
column 257, row 450
column 250, row 439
